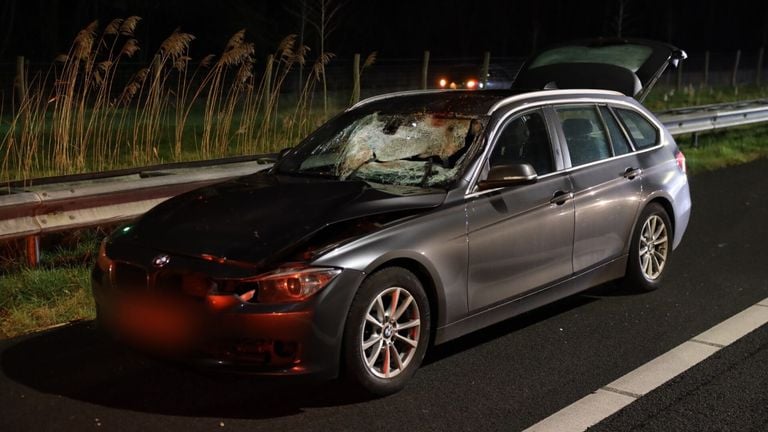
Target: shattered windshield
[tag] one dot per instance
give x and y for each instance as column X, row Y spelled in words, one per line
column 406, row 149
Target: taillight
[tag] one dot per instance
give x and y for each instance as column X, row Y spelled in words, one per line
column 680, row 159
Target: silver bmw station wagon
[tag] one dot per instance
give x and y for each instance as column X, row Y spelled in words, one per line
column 411, row 219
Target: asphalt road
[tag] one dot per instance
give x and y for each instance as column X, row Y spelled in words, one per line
column 506, row 377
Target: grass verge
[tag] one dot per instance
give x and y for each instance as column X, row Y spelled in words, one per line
column 665, row 97
column 33, row 299
column 719, row 150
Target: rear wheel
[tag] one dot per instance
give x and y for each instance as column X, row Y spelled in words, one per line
column 650, row 250
column 387, row 331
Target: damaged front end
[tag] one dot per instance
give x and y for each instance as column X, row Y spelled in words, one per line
column 254, row 317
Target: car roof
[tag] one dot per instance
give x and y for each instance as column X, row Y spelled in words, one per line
column 461, row 102
column 465, row 102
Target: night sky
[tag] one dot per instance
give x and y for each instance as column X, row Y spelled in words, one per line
column 41, row 29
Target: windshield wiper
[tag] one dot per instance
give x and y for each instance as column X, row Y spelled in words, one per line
column 427, row 173
column 319, row 171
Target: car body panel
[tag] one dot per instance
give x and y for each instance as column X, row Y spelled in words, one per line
column 235, row 335
column 601, row 235
column 662, row 180
column 437, row 242
column 661, row 183
column 223, row 220
column 508, row 253
column 547, row 294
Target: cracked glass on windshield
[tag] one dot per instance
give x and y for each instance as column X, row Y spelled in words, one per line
column 407, row 149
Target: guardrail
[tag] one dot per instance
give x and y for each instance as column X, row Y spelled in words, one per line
column 32, row 208
column 76, row 202
column 712, row 117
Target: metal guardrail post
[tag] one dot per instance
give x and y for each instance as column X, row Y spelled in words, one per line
column 486, row 67
column 33, row 250
column 355, row 80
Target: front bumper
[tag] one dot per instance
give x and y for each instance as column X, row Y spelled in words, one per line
column 225, row 332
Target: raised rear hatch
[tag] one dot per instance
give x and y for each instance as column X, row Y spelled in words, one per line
column 629, row 66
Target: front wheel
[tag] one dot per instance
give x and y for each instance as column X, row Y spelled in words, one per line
column 387, row 331
column 650, row 250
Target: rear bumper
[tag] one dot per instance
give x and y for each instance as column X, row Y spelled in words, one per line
column 226, row 333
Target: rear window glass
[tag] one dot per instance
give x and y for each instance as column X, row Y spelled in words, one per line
column 627, row 56
column 584, row 134
column 618, row 139
column 643, row 133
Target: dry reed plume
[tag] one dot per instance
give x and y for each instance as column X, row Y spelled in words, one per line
column 82, row 115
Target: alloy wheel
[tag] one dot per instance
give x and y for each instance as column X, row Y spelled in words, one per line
column 390, row 332
column 654, row 247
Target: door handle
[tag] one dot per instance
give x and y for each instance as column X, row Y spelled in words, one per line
column 630, row 173
column 560, row 197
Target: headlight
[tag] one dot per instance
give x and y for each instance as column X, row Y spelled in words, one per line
column 287, row 284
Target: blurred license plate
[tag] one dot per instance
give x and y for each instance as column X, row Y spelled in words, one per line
column 157, row 323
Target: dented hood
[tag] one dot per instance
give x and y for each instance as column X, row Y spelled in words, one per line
column 254, row 218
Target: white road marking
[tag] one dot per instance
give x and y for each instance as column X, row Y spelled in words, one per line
column 609, row 399
column 663, row 368
column 585, row 412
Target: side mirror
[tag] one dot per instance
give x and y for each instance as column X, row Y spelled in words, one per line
column 508, row 175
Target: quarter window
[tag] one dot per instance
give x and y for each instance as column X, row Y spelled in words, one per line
column 584, row 134
column 643, row 133
column 524, row 139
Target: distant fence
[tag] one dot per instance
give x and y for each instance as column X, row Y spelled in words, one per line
column 385, row 75
column 702, row 68
column 714, row 69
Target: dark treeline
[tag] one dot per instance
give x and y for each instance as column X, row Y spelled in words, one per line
column 42, row 29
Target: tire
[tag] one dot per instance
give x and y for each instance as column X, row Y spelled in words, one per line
column 650, row 250
column 384, row 344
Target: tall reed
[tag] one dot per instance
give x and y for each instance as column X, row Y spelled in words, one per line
column 83, row 115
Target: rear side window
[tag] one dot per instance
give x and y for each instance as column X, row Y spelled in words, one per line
column 643, row 133
column 584, row 134
column 618, row 139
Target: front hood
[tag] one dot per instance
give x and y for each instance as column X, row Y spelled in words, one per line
column 252, row 219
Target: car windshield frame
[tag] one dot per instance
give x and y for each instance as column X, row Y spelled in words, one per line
column 399, row 146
